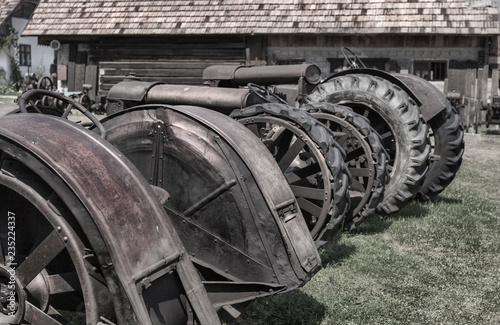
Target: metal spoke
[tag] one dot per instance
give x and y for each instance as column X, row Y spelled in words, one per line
column 290, row 155
column 386, row 135
column 355, row 154
column 62, row 283
column 33, row 315
column 298, row 175
column 379, row 127
column 308, row 192
column 39, row 258
column 341, row 140
column 308, row 206
column 283, row 143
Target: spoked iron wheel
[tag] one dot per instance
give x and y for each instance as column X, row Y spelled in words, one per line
column 302, row 164
column 365, row 158
column 317, row 175
column 46, row 263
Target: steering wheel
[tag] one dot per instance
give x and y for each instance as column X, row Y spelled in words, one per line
column 25, row 99
column 262, row 91
column 352, row 58
column 45, row 83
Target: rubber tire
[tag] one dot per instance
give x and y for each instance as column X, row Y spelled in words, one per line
column 449, row 146
column 409, row 157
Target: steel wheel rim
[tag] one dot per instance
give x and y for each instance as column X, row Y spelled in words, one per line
column 362, row 181
column 323, row 217
column 384, row 129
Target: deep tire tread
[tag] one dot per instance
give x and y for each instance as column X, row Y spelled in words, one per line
column 449, row 145
column 405, row 120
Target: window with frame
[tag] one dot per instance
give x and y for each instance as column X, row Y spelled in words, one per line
column 24, row 55
column 430, row 70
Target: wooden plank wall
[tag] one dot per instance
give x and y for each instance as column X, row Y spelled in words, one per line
column 471, row 81
column 171, row 61
column 172, row 71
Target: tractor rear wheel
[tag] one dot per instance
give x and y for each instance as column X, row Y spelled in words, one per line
column 447, row 141
column 397, row 119
column 44, row 253
column 82, row 232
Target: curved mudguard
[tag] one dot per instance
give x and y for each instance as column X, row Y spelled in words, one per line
column 125, row 223
column 229, row 201
column 430, row 100
column 433, row 100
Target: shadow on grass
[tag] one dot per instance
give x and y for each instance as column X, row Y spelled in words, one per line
column 444, row 199
column 413, row 210
column 492, row 132
column 335, row 252
column 373, row 225
column 294, row 307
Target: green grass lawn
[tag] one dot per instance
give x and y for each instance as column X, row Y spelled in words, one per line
column 6, row 99
column 434, row 263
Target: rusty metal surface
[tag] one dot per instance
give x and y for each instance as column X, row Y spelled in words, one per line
column 131, row 90
column 140, row 240
column 127, row 94
column 264, row 75
column 221, row 99
column 224, row 188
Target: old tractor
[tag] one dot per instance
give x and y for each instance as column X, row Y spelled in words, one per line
column 493, row 112
column 187, row 202
column 97, row 238
column 400, row 116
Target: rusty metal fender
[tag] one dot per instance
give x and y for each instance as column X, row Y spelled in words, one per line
column 140, row 243
column 432, row 99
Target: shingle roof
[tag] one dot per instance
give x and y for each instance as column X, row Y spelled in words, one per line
column 6, row 8
column 172, row 17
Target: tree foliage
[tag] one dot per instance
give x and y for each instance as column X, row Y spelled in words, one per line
column 8, row 42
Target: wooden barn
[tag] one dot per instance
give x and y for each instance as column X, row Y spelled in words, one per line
column 101, row 41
